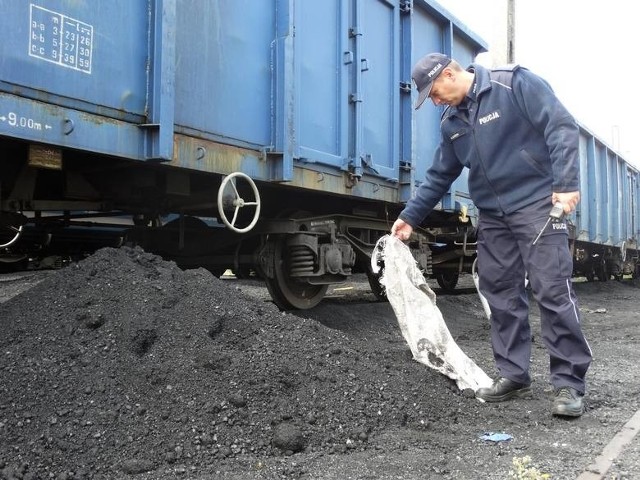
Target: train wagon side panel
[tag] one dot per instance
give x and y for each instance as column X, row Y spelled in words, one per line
column 224, row 71
column 91, row 55
column 72, row 71
column 607, row 212
column 303, row 88
column 308, row 89
column 606, row 225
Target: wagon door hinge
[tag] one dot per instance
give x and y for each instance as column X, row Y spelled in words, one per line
column 354, row 173
column 406, row 6
column 266, row 151
column 368, row 163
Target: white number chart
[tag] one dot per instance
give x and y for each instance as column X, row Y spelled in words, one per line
column 60, row 39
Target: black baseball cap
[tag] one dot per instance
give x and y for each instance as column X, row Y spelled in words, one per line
column 425, row 72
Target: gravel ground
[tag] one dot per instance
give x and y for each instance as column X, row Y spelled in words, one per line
column 124, row 366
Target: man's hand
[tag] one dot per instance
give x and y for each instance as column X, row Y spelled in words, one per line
column 569, row 200
column 401, row 230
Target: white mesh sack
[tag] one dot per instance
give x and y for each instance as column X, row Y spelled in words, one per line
column 420, row 320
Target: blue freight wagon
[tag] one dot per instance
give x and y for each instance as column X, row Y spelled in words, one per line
column 278, row 136
column 606, row 224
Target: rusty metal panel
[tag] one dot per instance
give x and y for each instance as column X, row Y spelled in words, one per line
column 42, row 156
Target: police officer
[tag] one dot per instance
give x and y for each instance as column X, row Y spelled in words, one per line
column 521, row 147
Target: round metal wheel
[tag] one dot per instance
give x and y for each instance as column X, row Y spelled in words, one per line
column 236, row 202
column 9, row 234
column 286, row 292
column 447, row 280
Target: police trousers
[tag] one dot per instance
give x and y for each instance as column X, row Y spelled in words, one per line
column 506, row 256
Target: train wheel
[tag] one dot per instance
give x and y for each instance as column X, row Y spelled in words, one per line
column 286, row 292
column 447, row 280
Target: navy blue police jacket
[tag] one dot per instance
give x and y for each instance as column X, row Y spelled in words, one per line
column 518, row 141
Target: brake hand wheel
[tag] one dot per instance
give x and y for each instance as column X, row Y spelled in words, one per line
column 236, row 202
column 12, row 230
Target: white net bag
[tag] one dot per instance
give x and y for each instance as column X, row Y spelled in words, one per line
column 420, row 320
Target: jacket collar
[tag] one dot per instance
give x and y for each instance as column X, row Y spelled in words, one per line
column 482, row 81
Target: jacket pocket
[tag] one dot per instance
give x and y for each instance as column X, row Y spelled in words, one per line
column 531, row 160
column 461, row 141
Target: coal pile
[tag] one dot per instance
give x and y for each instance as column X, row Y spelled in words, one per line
column 123, row 364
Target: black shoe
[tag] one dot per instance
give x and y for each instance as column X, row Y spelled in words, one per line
column 503, row 389
column 567, row 402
